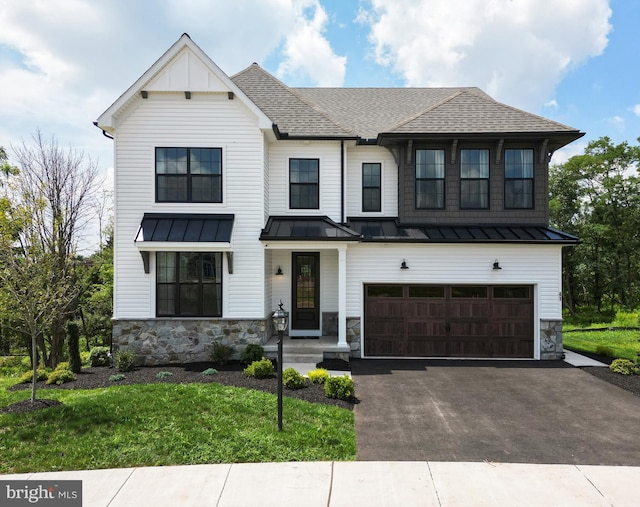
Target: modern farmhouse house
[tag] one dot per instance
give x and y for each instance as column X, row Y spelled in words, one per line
column 401, row 222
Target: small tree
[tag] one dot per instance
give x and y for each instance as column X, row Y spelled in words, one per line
column 73, row 344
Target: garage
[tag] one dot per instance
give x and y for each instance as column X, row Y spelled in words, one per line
column 448, row 321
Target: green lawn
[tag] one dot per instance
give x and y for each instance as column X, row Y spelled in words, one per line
column 622, row 343
column 167, row 424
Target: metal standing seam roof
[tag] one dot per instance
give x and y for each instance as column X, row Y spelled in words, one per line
column 183, row 227
column 391, row 231
column 319, row 228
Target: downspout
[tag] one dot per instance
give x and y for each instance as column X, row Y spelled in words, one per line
column 342, row 181
column 103, row 131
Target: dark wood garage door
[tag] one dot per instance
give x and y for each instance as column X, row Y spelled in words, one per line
column 448, row 321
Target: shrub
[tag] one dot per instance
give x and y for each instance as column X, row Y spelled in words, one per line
column 260, row 369
column 604, row 350
column 252, row 352
column 61, row 375
column 625, row 319
column 624, row 367
column 318, row 376
column 116, row 378
column 41, row 374
column 164, row 374
column 64, row 365
column 210, row 371
column 99, row 356
column 26, row 362
column 221, row 353
column 73, row 345
column 341, row 387
column 85, row 358
column 291, row 379
column 125, row 360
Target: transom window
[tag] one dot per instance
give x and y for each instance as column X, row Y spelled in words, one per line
column 474, row 179
column 189, row 284
column 188, row 174
column 304, row 183
column 430, row 184
column 371, row 187
column 518, row 179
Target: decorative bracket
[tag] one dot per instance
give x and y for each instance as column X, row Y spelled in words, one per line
column 145, row 261
column 454, row 151
column 230, row 262
column 409, row 152
column 499, row 151
column 543, row 150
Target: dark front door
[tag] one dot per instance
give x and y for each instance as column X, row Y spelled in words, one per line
column 306, row 291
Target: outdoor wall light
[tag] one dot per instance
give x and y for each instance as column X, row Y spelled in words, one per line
column 279, row 271
column 496, row 264
column 404, row 265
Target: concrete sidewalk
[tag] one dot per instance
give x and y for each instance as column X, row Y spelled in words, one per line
column 372, row 483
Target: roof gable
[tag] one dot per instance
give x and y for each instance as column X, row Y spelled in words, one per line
column 183, row 67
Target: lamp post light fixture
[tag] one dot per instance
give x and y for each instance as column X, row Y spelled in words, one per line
column 280, row 321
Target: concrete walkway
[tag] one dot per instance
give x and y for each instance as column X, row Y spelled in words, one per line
column 578, row 360
column 351, row 484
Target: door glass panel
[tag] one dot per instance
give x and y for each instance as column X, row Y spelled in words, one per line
column 471, row 292
column 426, row 291
column 384, row 291
column 511, row 292
column 306, row 282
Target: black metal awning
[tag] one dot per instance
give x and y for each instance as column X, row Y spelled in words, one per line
column 319, row 228
column 181, row 227
column 390, row 230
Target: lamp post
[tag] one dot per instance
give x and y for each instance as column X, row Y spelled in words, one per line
column 280, row 321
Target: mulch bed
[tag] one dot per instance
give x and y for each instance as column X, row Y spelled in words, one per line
column 229, row 375
column 629, row 383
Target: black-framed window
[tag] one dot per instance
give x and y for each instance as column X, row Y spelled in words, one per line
column 189, row 284
column 371, row 187
column 518, row 179
column 304, row 183
column 430, row 184
column 188, row 174
column 474, row 179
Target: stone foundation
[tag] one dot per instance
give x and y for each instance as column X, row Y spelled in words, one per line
column 551, row 339
column 353, row 335
column 179, row 341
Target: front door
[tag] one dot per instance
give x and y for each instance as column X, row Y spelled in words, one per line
column 305, row 314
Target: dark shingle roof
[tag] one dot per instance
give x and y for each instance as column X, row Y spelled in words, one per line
column 368, row 113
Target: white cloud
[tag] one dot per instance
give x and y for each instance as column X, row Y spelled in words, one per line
column 308, row 53
column 563, row 154
column 513, row 49
column 636, row 109
column 616, row 122
column 551, row 104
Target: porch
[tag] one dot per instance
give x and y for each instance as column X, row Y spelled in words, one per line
column 306, row 351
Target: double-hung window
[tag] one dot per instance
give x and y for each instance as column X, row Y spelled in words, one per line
column 430, row 183
column 371, row 187
column 518, row 179
column 188, row 174
column 189, row 284
column 474, row 179
column 304, row 183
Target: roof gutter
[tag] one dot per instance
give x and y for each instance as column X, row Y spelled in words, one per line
column 104, row 133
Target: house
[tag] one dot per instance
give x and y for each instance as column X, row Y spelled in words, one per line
column 401, row 222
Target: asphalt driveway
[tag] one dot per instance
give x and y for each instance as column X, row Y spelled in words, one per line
column 498, row 411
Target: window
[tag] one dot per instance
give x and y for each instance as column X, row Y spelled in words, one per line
column 426, row 291
column 430, row 179
column 189, row 284
column 371, row 187
column 188, row 174
column 468, row 292
column 518, row 179
column 511, row 292
column 385, row 291
column 474, row 179
column 304, row 186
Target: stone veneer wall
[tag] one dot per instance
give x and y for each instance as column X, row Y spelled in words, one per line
column 353, row 335
column 551, row 339
column 178, row 341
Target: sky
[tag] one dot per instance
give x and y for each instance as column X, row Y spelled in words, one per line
column 63, row 62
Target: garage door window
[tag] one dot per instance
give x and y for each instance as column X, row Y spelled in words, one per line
column 469, row 292
column 511, row 293
column 384, row 291
column 426, row 291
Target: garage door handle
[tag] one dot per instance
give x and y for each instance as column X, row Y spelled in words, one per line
column 447, row 327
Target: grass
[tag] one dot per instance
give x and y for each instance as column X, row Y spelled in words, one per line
column 624, row 344
column 167, row 424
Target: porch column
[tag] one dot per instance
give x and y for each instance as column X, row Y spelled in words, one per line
column 342, row 295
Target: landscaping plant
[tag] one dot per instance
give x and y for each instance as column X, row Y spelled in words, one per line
column 292, row 379
column 624, row 367
column 221, row 353
column 260, row 369
column 318, row 376
column 73, row 345
column 341, row 387
column 125, row 360
column 99, row 356
column 252, row 352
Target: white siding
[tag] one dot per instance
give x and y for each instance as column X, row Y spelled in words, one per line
column 537, row 265
column 328, row 152
column 207, row 120
column 358, row 155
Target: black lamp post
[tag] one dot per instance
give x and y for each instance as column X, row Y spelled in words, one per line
column 280, row 321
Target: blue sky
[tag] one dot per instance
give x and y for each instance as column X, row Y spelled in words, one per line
column 63, row 62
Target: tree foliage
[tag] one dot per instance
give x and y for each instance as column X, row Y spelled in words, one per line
column 596, row 196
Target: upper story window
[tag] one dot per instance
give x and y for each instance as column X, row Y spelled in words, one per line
column 189, row 284
column 474, row 179
column 518, row 179
column 371, row 187
column 304, row 183
column 188, row 174
column 430, row 179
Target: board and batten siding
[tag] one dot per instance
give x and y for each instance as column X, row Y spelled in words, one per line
column 207, row 120
column 328, row 152
column 358, row 155
column 538, row 265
